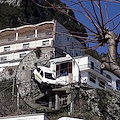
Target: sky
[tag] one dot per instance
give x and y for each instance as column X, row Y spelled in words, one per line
column 113, row 9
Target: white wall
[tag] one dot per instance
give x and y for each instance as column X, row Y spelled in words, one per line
column 64, row 38
column 32, row 44
column 84, row 77
column 26, row 117
column 75, row 71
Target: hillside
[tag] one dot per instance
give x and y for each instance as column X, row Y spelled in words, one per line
column 29, row 13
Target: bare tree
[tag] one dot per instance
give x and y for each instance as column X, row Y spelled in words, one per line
column 100, row 33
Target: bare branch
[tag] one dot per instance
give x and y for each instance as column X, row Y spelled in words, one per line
column 115, row 26
column 75, row 36
column 112, row 19
column 86, row 49
column 96, row 14
column 106, row 14
column 57, row 8
column 40, row 5
column 83, row 33
column 97, row 28
column 101, row 13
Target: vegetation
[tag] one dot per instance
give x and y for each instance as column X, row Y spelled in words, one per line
column 30, row 13
column 10, row 16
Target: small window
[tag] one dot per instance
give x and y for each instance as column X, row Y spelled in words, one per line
column 72, row 45
column 11, row 39
column 38, row 69
column 92, row 78
column 76, row 54
column 49, row 76
column 65, row 49
column 46, row 42
column 49, row 33
column 109, row 77
column 101, row 83
column 68, row 39
column 26, row 46
column 3, row 58
column 29, row 36
column 41, row 73
column 92, row 65
column 118, row 84
column 22, row 55
column 101, row 71
column 6, row 49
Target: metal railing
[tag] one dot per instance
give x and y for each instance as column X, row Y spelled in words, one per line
column 95, row 69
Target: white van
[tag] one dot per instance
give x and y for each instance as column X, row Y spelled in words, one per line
column 44, row 74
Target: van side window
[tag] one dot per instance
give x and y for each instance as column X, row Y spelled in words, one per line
column 38, row 69
column 41, row 73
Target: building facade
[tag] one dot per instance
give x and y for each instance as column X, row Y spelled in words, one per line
column 15, row 43
column 85, row 70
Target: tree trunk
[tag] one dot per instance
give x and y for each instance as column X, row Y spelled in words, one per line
column 110, row 62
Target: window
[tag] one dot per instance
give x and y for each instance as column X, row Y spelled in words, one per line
column 65, row 49
column 76, row 54
column 109, row 77
column 6, row 49
column 101, row 83
column 49, row 76
column 49, row 33
column 92, row 65
column 3, row 58
column 46, row 42
column 22, row 55
column 41, row 73
column 118, row 84
column 29, row 36
column 38, row 69
column 11, row 39
column 63, row 69
column 92, row 78
column 101, row 71
column 26, row 46
column 68, row 39
column 72, row 45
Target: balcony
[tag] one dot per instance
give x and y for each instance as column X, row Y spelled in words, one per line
column 95, row 69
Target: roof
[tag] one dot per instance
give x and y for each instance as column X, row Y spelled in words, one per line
column 62, row 59
column 18, row 28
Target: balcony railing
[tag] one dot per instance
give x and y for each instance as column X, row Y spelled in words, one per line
column 100, row 71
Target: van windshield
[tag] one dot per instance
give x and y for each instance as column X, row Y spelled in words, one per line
column 49, row 76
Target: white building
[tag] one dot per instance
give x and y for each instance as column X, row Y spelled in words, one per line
column 84, row 69
column 40, row 116
column 15, row 43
